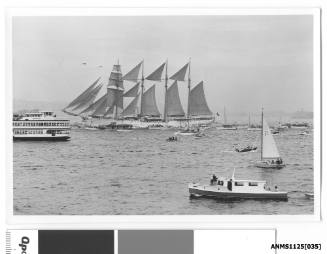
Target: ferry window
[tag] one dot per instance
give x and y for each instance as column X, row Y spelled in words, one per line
column 253, row 184
column 239, row 184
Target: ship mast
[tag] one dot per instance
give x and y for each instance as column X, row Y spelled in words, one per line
column 189, row 89
column 142, row 89
column 261, row 133
column 225, row 120
column 116, row 109
column 166, row 88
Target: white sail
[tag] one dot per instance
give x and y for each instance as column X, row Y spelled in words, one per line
column 133, row 91
column 133, row 74
column 197, row 101
column 174, row 105
column 132, row 108
column 149, row 104
column 157, row 74
column 269, row 148
column 89, row 99
column 180, row 75
column 83, row 94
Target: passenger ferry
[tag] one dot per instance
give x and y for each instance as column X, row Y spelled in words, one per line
column 41, row 125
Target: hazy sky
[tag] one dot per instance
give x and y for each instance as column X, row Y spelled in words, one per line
column 244, row 61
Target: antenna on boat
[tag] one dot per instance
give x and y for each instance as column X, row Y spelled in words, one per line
column 233, row 174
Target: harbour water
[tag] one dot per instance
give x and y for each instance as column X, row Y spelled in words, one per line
column 107, row 172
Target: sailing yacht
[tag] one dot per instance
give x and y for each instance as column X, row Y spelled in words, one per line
column 227, row 126
column 253, row 127
column 270, row 157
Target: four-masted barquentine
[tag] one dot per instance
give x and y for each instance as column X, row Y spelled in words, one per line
column 142, row 105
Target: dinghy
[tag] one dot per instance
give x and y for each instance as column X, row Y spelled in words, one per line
column 245, row 149
column 231, row 188
column 270, row 157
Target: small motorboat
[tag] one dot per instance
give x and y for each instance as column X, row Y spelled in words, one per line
column 309, row 195
column 187, row 132
column 274, row 132
column 91, row 128
column 199, row 135
column 245, row 149
column 304, row 133
column 172, row 139
column 231, row 188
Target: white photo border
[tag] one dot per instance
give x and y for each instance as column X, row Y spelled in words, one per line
column 161, row 221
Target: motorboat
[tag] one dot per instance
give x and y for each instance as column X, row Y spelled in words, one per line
column 232, row 188
column 245, row 149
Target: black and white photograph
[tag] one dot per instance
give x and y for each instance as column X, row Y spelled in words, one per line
column 165, row 114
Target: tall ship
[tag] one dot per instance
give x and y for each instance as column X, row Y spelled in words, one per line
column 140, row 98
column 41, row 125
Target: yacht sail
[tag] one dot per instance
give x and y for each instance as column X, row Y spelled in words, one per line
column 82, row 95
column 174, row 105
column 149, row 104
column 132, row 108
column 269, row 148
column 270, row 157
column 197, row 101
column 133, row 74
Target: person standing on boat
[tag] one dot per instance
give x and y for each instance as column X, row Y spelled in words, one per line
column 214, row 179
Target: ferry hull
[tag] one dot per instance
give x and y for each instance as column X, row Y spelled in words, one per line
column 39, row 138
column 228, row 195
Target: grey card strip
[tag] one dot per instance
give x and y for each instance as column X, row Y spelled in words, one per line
column 155, row 242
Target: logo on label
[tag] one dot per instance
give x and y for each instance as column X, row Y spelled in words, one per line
column 23, row 245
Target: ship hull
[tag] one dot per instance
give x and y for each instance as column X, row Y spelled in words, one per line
column 41, row 138
column 261, row 164
column 231, row 195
